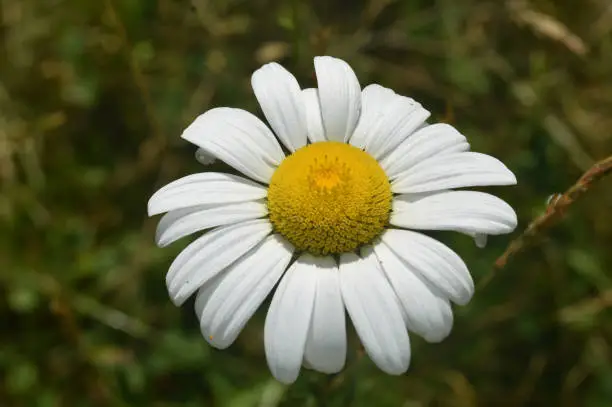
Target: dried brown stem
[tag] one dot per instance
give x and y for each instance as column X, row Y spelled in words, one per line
column 556, row 210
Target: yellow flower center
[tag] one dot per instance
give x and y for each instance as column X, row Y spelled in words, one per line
column 329, row 198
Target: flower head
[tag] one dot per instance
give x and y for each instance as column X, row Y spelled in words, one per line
column 331, row 218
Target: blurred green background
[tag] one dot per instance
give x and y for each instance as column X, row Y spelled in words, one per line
column 94, row 96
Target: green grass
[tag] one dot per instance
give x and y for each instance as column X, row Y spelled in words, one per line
column 94, row 96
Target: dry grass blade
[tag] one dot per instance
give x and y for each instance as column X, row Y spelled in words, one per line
column 546, row 25
column 556, row 210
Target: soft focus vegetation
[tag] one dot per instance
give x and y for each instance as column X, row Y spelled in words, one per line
column 94, row 96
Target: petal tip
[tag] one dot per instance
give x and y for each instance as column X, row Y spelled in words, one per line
column 214, row 342
column 512, row 178
column 162, row 241
column 396, row 369
column 436, row 338
column 176, row 299
column 480, row 239
column 204, row 157
column 152, row 207
column 285, row 380
column 464, row 299
column 283, row 374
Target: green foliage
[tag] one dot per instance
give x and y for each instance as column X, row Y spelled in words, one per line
column 94, row 96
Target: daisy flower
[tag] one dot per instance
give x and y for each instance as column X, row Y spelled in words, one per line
column 331, row 214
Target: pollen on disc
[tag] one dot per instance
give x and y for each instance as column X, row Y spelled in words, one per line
column 329, row 198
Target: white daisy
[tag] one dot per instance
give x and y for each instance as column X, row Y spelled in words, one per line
column 332, row 219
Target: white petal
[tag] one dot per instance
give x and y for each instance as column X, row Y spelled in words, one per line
column 433, row 261
column 205, row 293
column 326, row 343
column 374, row 100
column 206, row 256
column 314, row 120
column 453, row 171
column 480, row 239
column 436, row 139
column 288, row 319
column 204, row 189
column 462, row 211
column 183, row 222
column 242, row 288
column 238, row 138
column 427, row 313
column 280, row 98
column 339, row 96
column 398, row 119
column 204, row 157
column 375, row 312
